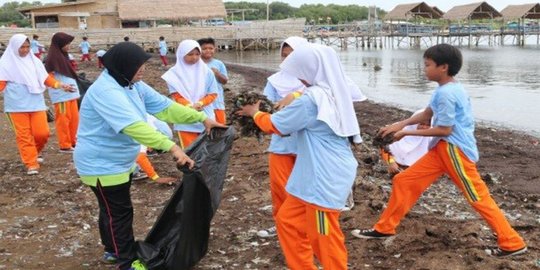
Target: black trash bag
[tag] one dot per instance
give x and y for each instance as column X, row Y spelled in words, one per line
column 83, row 84
column 179, row 238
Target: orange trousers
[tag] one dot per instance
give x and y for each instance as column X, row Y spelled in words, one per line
column 31, row 134
column 187, row 138
column 220, row 116
column 409, row 185
column 146, row 165
column 280, row 168
column 66, row 121
column 305, row 230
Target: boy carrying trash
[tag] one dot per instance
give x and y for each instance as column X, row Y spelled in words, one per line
column 452, row 151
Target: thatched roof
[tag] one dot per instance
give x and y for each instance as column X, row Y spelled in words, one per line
column 409, row 11
column 438, row 10
column 480, row 10
column 528, row 11
column 170, row 9
column 30, row 8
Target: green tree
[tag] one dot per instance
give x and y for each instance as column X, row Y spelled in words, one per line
column 10, row 15
column 316, row 13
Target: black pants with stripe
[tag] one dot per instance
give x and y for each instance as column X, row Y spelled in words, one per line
column 116, row 222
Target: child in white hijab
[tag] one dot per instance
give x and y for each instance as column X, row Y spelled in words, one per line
column 325, row 124
column 282, row 150
column 191, row 83
column 23, row 79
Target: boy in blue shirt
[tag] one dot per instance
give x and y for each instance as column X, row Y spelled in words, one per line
column 163, row 51
column 208, row 47
column 452, row 151
column 85, row 49
column 37, row 48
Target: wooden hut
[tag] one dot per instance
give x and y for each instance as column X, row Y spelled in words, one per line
column 521, row 13
column 474, row 11
column 411, row 11
column 460, row 22
column 525, row 11
column 98, row 14
column 404, row 13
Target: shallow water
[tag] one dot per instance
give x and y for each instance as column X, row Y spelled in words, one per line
column 503, row 82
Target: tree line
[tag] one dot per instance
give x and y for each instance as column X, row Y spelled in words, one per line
column 314, row 13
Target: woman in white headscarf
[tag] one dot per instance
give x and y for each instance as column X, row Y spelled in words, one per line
column 325, row 168
column 193, row 84
column 282, row 150
column 23, row 79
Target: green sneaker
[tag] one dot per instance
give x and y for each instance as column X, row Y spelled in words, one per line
column 137, row 265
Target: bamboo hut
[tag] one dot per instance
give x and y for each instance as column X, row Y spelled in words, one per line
column 410, row 11
column 521, row 13
column 525, row 11
column 474, row 11
column 404, row 13
column 100, row 14
column 460, row 21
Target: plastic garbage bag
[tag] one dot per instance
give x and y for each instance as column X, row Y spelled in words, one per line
column 179, row 238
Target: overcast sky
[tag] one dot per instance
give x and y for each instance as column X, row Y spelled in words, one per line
column 387, row 5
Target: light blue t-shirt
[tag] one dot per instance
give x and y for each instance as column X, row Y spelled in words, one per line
column 211, row 88
column 325, row 166
column 451, row 107
column 219, row 104
column 85, row 47
column 108, row 108
column 17, row 98
column 162, row 48
column 35, row 46
column 279, row 144
column 59, row 95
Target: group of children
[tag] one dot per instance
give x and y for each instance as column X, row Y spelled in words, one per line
column 311, row 164
column 309, row 167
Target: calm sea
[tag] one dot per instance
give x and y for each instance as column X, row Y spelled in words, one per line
column 503, row 82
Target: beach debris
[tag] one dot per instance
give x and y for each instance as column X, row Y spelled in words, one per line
column 384, row 142
column 493, row 178
column 377, row 68
column 246, row 124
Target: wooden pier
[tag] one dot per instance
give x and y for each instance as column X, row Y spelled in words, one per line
column 345, row 36
column 250, row 36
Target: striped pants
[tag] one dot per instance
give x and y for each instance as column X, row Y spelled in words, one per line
column 116, row 222
column 446, row 158
column 66, row 121
column 31, row 133
column 305, row 230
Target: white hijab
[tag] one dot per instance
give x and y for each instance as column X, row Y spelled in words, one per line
column 188, row 80
column 320, row 67
column 410, row 148
column 28, row 70
column 283, row 82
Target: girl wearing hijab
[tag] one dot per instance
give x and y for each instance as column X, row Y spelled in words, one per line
column 66, row 111
column 23, row 79
column 111, row 130
column 325, row 124
column 191, row 83
column 282, row 150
